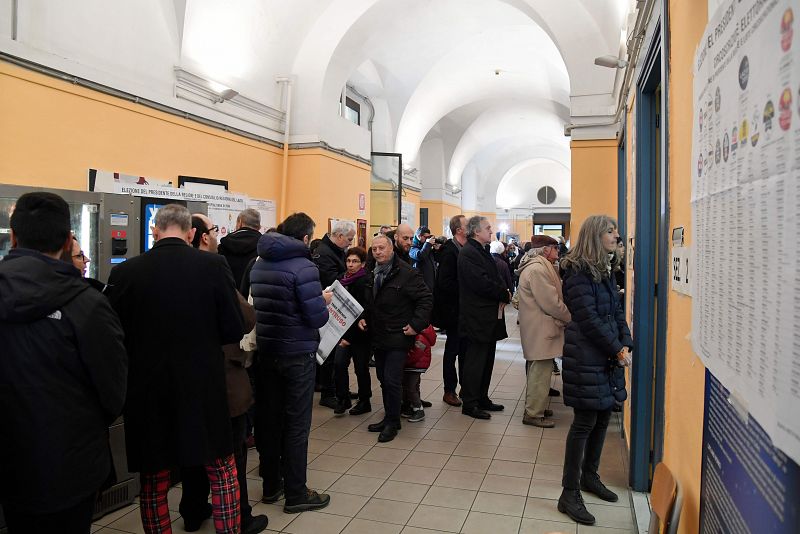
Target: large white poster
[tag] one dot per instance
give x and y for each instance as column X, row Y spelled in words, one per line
column 223, row 206
column 745, row 199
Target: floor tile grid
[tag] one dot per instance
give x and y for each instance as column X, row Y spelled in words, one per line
column 507, row 388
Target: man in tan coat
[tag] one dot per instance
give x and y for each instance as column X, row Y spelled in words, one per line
column 542, row 318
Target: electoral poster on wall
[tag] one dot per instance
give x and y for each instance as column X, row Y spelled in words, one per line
column 745, row 199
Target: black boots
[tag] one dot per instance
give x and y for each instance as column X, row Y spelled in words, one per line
column 571, row 503
column 591, row 482
column 361, row 407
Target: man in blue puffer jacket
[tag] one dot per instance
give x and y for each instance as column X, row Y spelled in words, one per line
column 290, row 309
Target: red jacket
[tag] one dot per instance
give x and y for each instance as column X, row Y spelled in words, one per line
column 419, row 357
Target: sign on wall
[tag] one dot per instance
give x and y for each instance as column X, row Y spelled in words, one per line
column 223, row 206
column 745, row 204
column 682, row 267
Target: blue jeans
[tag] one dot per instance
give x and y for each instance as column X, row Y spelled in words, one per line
column 454, row 347
column 283, row 421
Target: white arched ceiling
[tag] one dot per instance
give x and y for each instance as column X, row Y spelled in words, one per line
column 519, row 186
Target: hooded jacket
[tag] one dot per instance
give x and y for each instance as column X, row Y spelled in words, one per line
column 239, row 248
column 419, row 357
column 287, row 296
column 62, row 382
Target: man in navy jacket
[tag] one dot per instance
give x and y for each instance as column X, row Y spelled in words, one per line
column 290, row 309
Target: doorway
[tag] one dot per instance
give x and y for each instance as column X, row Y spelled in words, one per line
column 650, row 261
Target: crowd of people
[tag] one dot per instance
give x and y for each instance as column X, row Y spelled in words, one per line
column 200, row 343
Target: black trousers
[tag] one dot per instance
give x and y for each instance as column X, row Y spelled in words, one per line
column 454, row 347
column 359, row 353
column 325, row 378
column 74, row 520
column 584, row 446
column 285, row 398
column 389, row 366
column 194, row 496
column 477, row 373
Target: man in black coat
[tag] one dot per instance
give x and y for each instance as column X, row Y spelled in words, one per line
column 329, row 257
column 62, row 376
column 445, row 307
column 481, row 293
column 178, row 307
column 400, row 308
column 239, row 247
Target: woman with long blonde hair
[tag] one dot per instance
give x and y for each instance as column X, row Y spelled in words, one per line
column 597, row 343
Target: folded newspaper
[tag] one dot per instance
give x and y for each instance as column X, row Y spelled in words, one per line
column 343, row 311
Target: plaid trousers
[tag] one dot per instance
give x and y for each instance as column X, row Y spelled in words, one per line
column 224, row 498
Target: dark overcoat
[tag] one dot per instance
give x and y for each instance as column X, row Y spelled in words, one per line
column 597, row 332
column 445, row 302
column 178, row 307
column 481, row 290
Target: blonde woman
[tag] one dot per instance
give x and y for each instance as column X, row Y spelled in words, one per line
column 542, row 318
column 597, row 343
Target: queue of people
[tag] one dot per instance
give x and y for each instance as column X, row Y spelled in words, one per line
column 165, row 349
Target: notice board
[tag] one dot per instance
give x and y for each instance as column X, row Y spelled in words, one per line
column 747, row 485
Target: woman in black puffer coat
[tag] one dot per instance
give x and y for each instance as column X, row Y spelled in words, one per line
column 597, row 344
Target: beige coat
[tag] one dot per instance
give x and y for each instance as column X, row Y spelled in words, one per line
column 542, row 312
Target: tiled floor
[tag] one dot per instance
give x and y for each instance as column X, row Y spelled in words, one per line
column 448, row 473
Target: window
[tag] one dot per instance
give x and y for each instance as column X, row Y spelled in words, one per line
column 553, row 230
column 352, row 111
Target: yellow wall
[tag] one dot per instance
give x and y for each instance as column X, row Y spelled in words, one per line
column 53, row 132
column 594, row 180
column 685, row 381
column 439, row 214
column 326, row 185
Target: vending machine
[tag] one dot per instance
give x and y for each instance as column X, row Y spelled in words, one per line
column 111, row 229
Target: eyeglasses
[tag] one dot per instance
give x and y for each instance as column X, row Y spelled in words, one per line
column 214, row 228
column 81, row 255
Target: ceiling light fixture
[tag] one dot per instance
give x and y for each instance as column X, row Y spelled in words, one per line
column 612, row 62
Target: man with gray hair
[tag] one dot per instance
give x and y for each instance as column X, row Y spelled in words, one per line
column 239, row 247
column 482, row 295
column 329, row 257
column 178, row 307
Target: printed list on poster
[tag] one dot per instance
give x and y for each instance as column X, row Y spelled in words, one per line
column 745, row 199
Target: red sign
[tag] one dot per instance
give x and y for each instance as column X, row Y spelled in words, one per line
column 118, row 234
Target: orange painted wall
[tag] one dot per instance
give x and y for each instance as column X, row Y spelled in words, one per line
column 52, row 132
column 685, row 372
column 438, row 212
column 326, row 185
column 594, row 180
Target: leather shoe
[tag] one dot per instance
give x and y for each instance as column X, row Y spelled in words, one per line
column 537, row 421
column 361, row 407
column 491, row 407
column 254, row 524
column 591, row 482
column 378, row 427
column 451, row 399
column 329, row 402
column 571, row 503
column 274, row 496
column 477, row 413
column 554, row 393
column 426, row 404
column 388, row 433
column 311, row 501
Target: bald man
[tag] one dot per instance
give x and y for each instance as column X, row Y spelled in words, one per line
column 403, row 237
